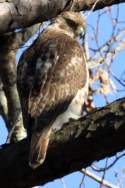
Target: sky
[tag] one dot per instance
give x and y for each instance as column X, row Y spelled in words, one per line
column 73, row 180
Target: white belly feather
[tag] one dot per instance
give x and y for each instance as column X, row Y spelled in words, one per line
column 74, row 111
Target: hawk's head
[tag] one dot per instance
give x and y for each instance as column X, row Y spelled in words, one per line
column 72, row 22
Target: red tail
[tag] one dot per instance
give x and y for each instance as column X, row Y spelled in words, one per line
column 38, row 147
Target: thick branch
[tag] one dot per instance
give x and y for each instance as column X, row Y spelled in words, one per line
column 22, row 13
column 9, row 44
column 77, row 145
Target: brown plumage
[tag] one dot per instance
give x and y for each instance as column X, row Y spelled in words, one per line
column 52, row 81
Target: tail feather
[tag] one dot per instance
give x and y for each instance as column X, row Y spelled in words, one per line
column 38, row 147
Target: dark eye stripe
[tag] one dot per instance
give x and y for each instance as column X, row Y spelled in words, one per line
column 71, row 23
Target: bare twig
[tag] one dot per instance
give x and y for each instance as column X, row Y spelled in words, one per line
column 63, row 183
column 104, row 173
column 97, row 60
column 98, row 169
column 98, row 179
column 82, row 181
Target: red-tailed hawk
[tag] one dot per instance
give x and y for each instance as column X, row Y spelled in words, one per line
column 52, row 80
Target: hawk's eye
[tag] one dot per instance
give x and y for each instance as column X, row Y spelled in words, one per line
column 71, row 23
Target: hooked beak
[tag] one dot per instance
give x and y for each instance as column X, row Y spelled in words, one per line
column 81, row 32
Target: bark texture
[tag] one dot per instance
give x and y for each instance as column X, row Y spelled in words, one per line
column 22, row 13
column 9, row 99
column 94, row 137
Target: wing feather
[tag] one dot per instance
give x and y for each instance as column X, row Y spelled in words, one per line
column 45, row 66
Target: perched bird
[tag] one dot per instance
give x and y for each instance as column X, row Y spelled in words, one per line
column 52, row 80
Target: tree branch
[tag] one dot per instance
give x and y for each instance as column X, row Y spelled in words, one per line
column 94, row 137
column 9, row 44
column 98, row 179
column 3, row 104
column 22, row 13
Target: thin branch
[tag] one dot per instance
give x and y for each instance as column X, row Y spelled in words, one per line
column 98, row 169
column 98, row 179
column 104, row 173
column 63, row 183
column 97, row 60
column 82, row 181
